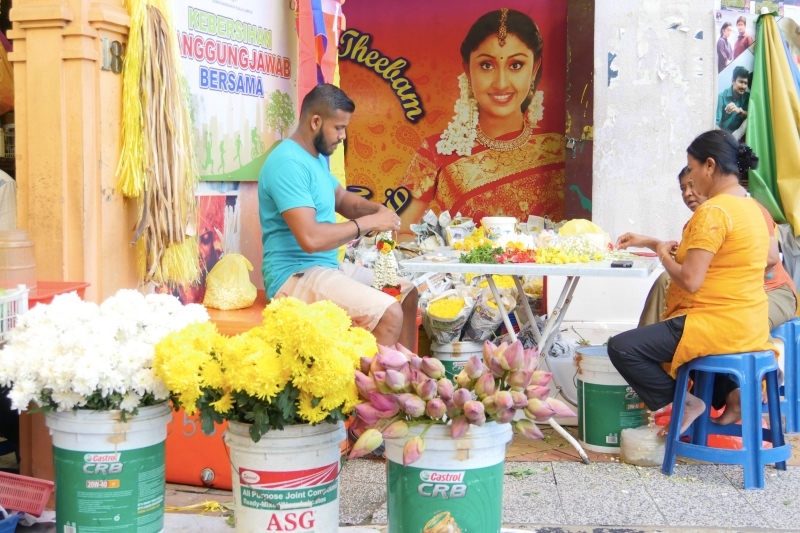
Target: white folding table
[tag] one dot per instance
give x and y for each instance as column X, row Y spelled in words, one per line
column 446, row 261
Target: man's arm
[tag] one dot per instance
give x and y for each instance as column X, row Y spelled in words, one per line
column 351, row 205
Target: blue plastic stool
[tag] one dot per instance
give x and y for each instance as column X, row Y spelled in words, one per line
column 789, row 333
column 749, row 369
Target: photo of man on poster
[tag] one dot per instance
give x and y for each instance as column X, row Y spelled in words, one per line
column 732, row 103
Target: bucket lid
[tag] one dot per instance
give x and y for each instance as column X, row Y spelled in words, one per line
column 466, row 347
column 595, row 351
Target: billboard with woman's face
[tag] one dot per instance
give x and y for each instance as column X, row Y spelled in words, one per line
column 457, row 108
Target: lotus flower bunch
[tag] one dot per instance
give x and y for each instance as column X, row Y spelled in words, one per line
column 399, row 389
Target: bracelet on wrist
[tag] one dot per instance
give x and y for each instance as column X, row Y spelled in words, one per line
column 354, row 221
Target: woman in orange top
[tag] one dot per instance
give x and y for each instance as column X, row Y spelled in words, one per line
column 716, row 303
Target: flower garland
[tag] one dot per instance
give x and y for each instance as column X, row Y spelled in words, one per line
column 461, row 132
column 385, row 266
column 76, row 354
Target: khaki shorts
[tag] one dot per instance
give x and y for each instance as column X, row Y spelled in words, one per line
column 349, row 287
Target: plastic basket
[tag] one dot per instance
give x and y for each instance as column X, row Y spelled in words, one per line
column 45, row 291
column 9, row 523
column 12, row 305
column 24, row 494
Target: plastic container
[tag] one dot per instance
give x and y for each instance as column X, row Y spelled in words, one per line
column 456, row 485
column 12, row 305
column 454, row 355
column 109, row 473
column 642, row 446
column 606, row 403
column 17, row 262
column 45, row 291
column 24, row 494
column 497, row 227
column 8, row 523
column 288, row 480
column 194, row 458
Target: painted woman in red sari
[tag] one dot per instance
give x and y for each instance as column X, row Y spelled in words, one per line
column 489, row 161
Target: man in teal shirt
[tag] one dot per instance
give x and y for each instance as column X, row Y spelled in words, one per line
column 732, row 102
column 298, row 200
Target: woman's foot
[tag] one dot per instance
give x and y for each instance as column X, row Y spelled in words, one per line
column 733, row 409
column 692, row 408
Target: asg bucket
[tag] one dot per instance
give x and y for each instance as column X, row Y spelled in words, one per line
column 109, row 473
column 456, row 486
column 288, row 480
column 454, row 355
column 606, row 403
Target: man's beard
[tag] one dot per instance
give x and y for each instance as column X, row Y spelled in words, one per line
column 319, row 144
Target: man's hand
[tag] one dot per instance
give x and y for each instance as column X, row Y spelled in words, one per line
column 383, row 220
column 732, row 109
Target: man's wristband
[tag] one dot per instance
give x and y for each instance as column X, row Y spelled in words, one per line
column 354, row 221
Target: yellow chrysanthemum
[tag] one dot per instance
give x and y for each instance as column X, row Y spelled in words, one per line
column 308, row 412
column 224, row 404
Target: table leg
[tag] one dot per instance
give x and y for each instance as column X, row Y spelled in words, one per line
column 526, row 306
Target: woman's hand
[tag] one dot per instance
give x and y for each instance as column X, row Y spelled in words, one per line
column 634, row 240
column 664, row 248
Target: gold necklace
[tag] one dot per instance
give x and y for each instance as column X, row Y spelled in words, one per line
column 505, row 146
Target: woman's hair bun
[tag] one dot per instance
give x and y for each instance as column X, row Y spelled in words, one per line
column 746, row 158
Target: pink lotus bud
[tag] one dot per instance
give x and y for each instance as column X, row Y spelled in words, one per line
column 503, row 399
column 538, row 410
column 396, row 430
column 376, row 366
column 504, row 416
column 496, row 367
column 413, row 449
column 367, row 413
column 474, row 411
column 386, row 405
column 366, row 443
column 395, row 380
column 560, row 408
column 380, row 382
column 433, row 368
column 541, row 378
column 416, row 363
column 512, row 358
column 459, row 427
column 531, row 358
column 435, row 408
column 452, row 410
column 414, row 407
column 485, row 386
column 365, row 363
column 520, row 400
column 463, row 380
column 519, row 379
column 426, row 390
column 407, row 372
column 474, row 367
column 491, row 351
column 461, row 396
column 403, row 350
column 392, row 359
column 537, row 391
column 365, row 385
column 445, row 388
column 489, row 406
column 528, row 430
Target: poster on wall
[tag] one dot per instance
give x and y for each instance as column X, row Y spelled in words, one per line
column 736, row 31
column 457, row 109
column 240, row 60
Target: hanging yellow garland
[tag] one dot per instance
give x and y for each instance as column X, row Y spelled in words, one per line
column 157, row 164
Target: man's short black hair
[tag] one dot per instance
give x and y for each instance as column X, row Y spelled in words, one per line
column 740, row 72
column 324, row 100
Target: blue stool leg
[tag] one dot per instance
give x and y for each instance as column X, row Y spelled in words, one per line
column 774, row 403
column 791, row 342
column 750, row 392
column 668, row 466
column 703, row 389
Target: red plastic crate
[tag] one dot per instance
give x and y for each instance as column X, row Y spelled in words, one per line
column 24, row 494
column 45, row 291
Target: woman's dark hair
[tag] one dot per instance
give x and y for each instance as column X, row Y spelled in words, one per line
column 682, row 173
column 518, row 24
column 730, row 156
column 722, row 29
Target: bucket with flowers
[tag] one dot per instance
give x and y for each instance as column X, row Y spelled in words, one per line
column 446, row 439
column 284, row 387
column 89, row 367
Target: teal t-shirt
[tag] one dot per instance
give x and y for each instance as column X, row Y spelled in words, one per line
column 290, row 178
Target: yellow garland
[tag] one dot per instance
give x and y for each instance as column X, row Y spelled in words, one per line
column 315, row 347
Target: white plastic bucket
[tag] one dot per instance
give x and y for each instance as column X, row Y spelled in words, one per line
column 287, row 481
column 109, row 473
column 497, row 227
column 454, row 355
column 606, row 403
column 456, row 485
